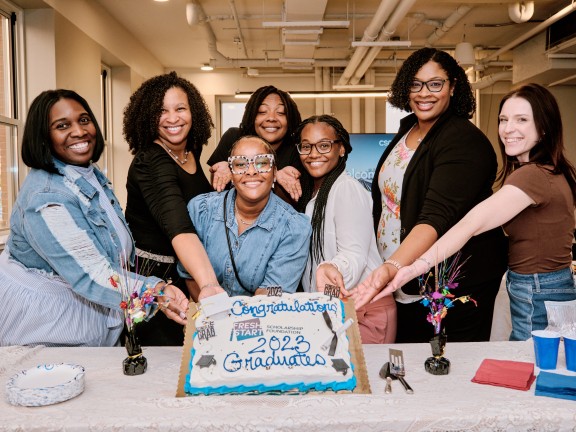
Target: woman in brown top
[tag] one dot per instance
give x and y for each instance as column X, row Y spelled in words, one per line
column 535, row 205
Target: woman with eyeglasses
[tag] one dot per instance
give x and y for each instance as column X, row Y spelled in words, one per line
column 253, row 238
column 535, row 205
column 272, row 115
column 343, row 249
column 434, row 171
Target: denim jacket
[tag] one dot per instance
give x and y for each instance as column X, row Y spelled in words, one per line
column 272, row 252
column 59, row 229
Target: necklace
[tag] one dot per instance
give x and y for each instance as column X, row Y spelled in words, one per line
column 421, row 137
column 242, row 221
column 175, row 156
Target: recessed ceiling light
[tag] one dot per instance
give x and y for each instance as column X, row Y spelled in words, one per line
column 206, row 67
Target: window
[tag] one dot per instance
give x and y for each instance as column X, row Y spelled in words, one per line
column 10, row 124
column 105, row 162
column 229, row 115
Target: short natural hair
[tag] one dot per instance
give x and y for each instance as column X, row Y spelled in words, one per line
column 462, row 102
column 142, row 115
column 36, row 141
column 262, row 141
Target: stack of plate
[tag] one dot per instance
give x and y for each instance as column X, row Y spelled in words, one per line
column 45, row 385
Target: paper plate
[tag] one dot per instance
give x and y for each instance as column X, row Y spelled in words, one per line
column 45, row 384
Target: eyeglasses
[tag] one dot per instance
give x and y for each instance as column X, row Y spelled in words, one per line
column 321, row 147
column 434, row 86
column 262, row 163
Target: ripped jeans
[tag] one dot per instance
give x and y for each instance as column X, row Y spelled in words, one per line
column 528, row 292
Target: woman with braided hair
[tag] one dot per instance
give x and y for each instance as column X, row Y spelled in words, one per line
column 343, row 250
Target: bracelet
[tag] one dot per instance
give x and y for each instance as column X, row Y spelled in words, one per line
column 328, row 262
column 425, row 260
column 393, row 263
column 210, row 285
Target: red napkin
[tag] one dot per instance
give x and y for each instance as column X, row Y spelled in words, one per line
column 505, row 373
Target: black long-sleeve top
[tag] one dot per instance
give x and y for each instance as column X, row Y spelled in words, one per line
column 158, row 193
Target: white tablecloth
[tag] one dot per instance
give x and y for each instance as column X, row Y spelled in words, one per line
column 115, row 402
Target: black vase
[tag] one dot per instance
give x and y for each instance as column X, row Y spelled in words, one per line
column 438, row 364
column 135, row 363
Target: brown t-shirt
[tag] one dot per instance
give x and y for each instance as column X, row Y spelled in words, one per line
column 541, row 235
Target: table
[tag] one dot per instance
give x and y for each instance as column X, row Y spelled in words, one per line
column 115, row 402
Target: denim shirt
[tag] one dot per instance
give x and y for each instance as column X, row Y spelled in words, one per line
column 59, row 229
column 272, row 252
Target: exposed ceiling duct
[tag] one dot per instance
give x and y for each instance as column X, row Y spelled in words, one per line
column 450, row 22
column 386, row 33
column 300, row 44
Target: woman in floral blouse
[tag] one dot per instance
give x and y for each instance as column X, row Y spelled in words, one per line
column 435, row 170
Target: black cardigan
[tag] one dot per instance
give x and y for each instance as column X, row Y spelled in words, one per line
column 451, row 171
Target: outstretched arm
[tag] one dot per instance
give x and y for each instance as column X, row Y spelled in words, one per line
column 495, row 211
column 420, row 238
column 194, row 258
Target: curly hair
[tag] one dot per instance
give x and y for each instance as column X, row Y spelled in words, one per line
column 307, row 181
column 36, row 141
column 142, row 114
column 462, row 102
column 549, row 150
column 293, row 117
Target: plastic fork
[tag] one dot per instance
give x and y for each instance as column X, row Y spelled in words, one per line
column 397, row 368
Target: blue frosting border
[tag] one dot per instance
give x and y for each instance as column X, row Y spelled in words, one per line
column 281, row 388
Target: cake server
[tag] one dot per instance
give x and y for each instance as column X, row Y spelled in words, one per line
column 397, row 368
column 385, row 374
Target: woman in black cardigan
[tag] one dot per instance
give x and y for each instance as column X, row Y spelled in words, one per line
column 435, row 170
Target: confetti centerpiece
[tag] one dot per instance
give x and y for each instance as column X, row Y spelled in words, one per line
column 139, row 303
column 438, row 298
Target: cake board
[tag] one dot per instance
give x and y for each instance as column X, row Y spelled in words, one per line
column 355, row 347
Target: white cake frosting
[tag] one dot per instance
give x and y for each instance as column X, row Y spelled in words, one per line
column 271, row 344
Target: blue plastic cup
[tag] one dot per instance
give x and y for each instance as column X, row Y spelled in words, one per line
column 570, row 351
column 546, row 345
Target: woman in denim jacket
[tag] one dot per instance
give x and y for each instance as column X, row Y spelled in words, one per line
column 254, row 239
column 62, row 270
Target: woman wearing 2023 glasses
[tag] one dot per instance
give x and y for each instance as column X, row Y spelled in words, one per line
column 434, row 171
column 253, row 238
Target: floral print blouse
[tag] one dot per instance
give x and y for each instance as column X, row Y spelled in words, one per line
column 390, row 183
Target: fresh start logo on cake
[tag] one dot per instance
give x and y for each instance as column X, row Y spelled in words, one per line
column 247, row 329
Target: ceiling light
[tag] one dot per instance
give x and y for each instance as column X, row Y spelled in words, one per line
column 331, row 24
column 161, row 1
column 324, row 94
column 206, row 67
column 353, row 87
column 193, row 13
column 382, row 44
column 464, row 54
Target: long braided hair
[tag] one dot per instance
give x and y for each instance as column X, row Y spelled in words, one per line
column 307, row 181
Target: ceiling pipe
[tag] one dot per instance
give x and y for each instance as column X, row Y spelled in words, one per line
column 237, row 21
column 389, row 29
column 487, row 81
column 542, row 26
column 370, row 34
column 450, row 22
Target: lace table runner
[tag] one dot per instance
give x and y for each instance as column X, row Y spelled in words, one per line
column 113, row 401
